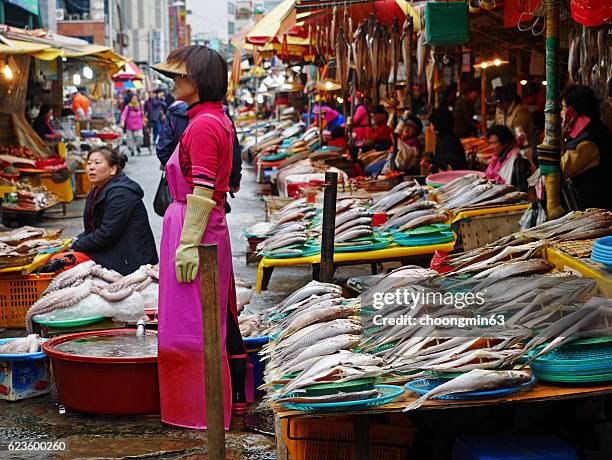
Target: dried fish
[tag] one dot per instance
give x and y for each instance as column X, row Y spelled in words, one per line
column 475, row 380
column 423, row 220
column 336, row 397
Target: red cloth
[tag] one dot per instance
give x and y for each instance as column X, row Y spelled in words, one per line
column 204, row 159
column 339, row 142
column 382, row 133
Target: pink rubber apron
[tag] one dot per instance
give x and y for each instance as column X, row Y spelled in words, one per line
column 181, row 360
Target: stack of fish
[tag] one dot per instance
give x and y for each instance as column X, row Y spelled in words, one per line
column 289, row 231
column 402, row 194
column 353, row 224
column 469, row 192
column 414, row 215
column 313, row 332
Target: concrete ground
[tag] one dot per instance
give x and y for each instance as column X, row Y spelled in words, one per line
column 146, row 437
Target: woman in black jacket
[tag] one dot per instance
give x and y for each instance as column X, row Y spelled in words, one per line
column 117, row 232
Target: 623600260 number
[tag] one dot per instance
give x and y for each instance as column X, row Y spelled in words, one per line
column 34, row 446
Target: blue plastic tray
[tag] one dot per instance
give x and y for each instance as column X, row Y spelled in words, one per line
column 423, row 386
column 387, row 394
column 254, row 342
column 20, row 357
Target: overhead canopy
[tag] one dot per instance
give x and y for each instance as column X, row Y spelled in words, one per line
column 274, row 24
column 129, row 72
column 48, row 46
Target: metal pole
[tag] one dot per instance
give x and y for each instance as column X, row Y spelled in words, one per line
column 329, row 227
column 483, row 102
column 549, row 151
column 211, row 330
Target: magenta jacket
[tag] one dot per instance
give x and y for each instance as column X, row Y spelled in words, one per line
column 133, row 119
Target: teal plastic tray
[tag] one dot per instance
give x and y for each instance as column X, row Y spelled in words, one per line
column 423, row 386
column 378, row 242
column 428, row 240
column 387, row 393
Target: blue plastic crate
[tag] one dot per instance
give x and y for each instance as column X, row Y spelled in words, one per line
column 253, row 346
column 511, row 446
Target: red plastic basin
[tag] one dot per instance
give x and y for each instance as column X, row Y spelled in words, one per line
column 107, row 386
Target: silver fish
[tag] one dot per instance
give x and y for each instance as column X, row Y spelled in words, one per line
column 402, row 219
column 475, row 380
column 354, row 233
column 317, row 316
column 336, row 397
column 423, row 220
column 314, row 287
column 353, row 223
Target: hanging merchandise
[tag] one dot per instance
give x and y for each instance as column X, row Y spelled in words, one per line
column 537, row 64
column 446, row 23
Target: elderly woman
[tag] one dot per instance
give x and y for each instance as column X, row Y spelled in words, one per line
column 587, row 156
column 117, row 232
column 507, row 166
column 198, row 174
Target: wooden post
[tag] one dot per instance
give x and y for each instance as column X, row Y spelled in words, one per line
column 211, row 330
column 329, row 227
column 483, row 101
column 58, row 89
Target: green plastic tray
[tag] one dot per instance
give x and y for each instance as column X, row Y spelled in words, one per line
column 571, row 377
column 307, row 251
column 428, row 229
column 72, row 323
column 347, row 387
column 590, row 341
column 275, row 157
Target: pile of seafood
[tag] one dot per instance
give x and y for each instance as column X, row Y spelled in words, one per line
column 469, row 192
column 21, row 345
column 19, row 247
column 88, row 290
column 317, row 336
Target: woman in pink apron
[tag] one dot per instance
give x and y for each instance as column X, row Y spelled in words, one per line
column 198, row 175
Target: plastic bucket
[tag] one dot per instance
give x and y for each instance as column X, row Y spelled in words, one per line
column 253, row 347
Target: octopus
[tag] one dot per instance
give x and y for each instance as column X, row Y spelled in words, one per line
column 85, row 279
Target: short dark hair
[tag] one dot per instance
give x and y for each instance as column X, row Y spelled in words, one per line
column 112, row 156
column 503, row 133
column 442, row 120
column 583, row 100
column 206, row 68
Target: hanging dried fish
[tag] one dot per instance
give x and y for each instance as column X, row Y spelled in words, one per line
column 360, row 51
column 333, row 27
column 421, row 51
column 407, row 48
column 395, row 52
column 430, row 73
column 374, row 48
column 342, row 59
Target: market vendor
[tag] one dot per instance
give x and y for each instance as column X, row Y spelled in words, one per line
column 117, row 232
column 507, row 166
column 198, row 173
column 449, row 154
column 42, row 124
column 381, row 138
column 511, row 111
column 587, row 154
column 464, row 112
column 331, row 117
column 81, row 107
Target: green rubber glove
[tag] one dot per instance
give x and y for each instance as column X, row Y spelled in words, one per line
column 199, row 206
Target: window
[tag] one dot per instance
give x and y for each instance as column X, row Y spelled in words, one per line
column 231, row 28
column 231, row 9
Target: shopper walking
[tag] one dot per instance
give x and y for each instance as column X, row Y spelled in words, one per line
column 132, row 121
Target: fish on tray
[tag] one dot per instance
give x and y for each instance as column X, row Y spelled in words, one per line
column 330, row 398
column 475, row 380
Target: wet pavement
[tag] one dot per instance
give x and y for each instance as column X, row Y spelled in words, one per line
column 39, row 419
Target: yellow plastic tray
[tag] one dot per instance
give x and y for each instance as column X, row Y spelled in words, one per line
column 566, row 263
column 485, row 211
column 393, row 251
column 39, row 261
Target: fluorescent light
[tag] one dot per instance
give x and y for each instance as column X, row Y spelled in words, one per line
column 87, row 72
column 523, row 82
column 543, row 82
column 76, row 79
column 64, row 59
column 329, row 85
column 484, row 65
column 340, row 100
column 497, row 62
